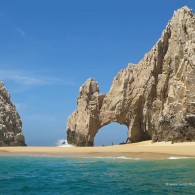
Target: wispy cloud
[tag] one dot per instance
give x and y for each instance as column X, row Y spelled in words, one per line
column 20, row 31
column 21, row 106
column 30, row 79
column 39, row 117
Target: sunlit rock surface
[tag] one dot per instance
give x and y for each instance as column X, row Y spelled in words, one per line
column 155, row 98
column 10, row 123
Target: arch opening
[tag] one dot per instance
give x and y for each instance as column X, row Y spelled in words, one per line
column 111, row 134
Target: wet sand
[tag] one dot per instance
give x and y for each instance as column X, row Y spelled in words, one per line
column 142, row 150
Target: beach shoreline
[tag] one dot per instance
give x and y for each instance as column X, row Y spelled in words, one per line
column 145, row 150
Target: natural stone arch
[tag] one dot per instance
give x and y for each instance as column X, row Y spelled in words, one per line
column 154, row 98
column 97, row 110
column 111, row 134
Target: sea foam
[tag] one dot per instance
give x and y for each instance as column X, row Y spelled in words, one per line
column 119, row 157
column 176, row 158
column 63, row 143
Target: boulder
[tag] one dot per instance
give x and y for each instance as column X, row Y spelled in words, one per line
column 10, row 123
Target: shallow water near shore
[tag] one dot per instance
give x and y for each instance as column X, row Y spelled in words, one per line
column 64, row 175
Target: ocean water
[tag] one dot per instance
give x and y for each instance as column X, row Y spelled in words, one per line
column 64, row 175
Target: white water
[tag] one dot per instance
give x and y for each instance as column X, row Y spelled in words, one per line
column 176, row 158
column 119, row 157
column 63, row 143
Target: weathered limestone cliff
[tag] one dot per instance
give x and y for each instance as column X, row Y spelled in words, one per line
column 10, row 123
column 155, row 99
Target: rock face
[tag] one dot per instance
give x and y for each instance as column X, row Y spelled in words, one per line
column 155, row 99
column 10, row 123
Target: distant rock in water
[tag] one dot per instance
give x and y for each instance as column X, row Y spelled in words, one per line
column 10, row 123
column 155, row 99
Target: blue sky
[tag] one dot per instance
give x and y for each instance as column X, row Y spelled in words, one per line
column 50, row 47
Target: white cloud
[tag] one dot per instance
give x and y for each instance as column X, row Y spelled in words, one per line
column 25, row 78
column 20, row 31
column 23, row 107
column 40, row 117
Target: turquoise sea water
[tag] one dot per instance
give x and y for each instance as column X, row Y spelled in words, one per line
column 63, row 175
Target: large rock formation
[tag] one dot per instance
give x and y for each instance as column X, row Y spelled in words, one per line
column 10, row 123
column 155, row 99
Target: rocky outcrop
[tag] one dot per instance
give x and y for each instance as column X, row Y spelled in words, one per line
column 10, row 123
column 155, row 99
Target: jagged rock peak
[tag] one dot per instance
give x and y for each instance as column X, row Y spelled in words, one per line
column 155, row 98
column 10, row 123
column 90, row 87
column 184, row 9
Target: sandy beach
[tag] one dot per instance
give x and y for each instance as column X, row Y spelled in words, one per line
column 142, row 150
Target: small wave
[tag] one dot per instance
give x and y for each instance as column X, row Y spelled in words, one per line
column 65, row 146
column 63, row 143
column 176, row 158
column 119, row 157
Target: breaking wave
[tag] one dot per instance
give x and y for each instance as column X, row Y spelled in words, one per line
column 63, row 143
column 119, row 157
column 176, row 158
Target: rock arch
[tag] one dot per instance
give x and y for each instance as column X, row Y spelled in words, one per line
column 154, row 99
column 96, row 110
column 111, row 134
